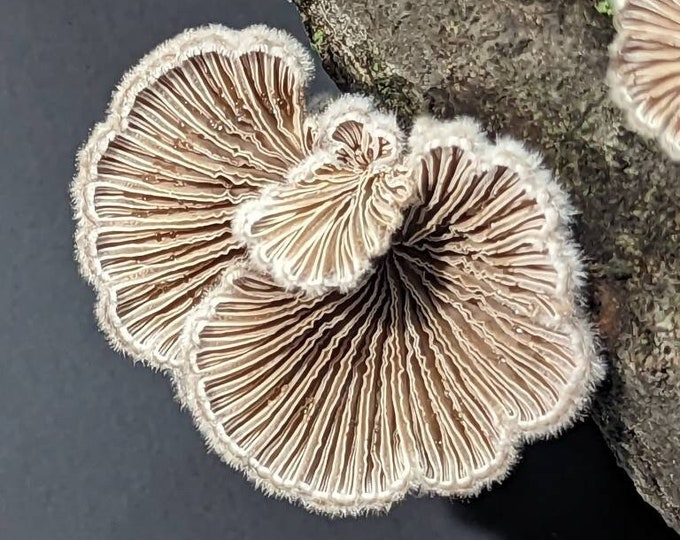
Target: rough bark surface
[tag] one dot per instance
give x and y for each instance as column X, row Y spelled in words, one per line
column 534, row 70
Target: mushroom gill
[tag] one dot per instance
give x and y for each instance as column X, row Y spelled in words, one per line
column 644, row 69
column 466, row 340
column 338, row 209
column 199, row 126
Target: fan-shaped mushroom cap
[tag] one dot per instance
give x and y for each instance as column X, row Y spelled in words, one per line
column 340, row 206
column 644, row 69
column 425, row 374
column 200, row 125
column 466, row 340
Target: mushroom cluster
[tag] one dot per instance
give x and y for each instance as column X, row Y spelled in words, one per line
column 644, row 69
column 348, row 314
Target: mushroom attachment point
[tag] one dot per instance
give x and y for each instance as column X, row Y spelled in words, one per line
column 644, row 69
column 348, row 315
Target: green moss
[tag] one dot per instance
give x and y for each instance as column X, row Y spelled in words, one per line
column 317, row 40
column 604, row 7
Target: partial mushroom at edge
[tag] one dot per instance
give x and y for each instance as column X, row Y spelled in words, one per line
column 644, row 69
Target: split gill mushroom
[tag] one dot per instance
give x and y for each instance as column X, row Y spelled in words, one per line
column 349, row 314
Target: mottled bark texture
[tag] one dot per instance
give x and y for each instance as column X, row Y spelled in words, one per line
column 535, row 70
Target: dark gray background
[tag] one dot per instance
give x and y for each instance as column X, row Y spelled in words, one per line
column 93, row 447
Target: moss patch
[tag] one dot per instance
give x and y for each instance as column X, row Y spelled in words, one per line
column 604, row 7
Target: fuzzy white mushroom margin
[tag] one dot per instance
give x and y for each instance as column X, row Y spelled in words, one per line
column 620, row 94
column 169, row 55
column 555, row 238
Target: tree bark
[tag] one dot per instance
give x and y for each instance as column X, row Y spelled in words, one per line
column 534, row 69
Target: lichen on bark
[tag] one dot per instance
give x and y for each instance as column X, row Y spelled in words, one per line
column 535, row 70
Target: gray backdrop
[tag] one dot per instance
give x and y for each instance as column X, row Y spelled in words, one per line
column 93, row 447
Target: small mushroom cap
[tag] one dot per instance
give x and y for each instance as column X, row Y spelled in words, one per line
column 202, row 124
column 644, row 69
column 465, row 340
column 339, row 208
